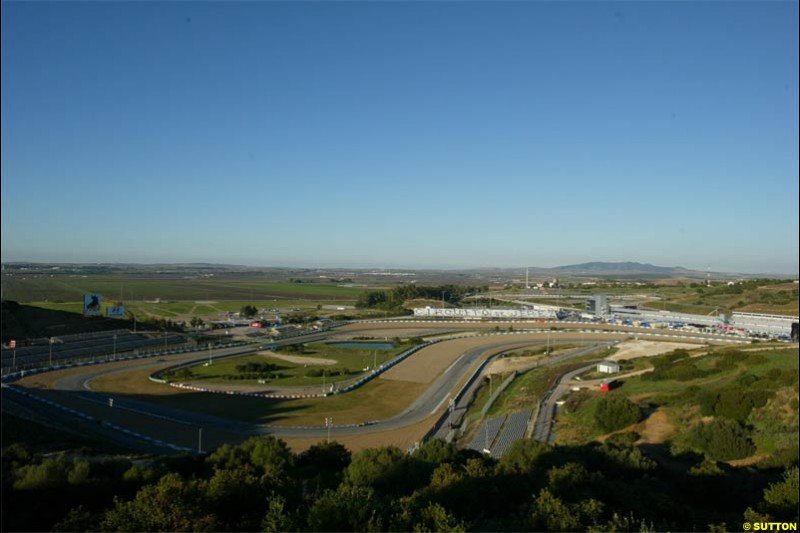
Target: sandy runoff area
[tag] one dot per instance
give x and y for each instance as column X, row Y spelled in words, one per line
column 633, row 349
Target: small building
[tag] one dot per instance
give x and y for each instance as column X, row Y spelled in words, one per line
column 608, row 367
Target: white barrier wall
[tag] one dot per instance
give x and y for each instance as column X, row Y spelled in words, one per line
column 484, row 313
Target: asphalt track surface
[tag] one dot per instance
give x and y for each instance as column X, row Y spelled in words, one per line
column 181, row 427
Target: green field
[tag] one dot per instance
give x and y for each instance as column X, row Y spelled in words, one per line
column 294, row 374
column 126, row 288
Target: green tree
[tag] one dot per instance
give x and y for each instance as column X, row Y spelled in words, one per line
column 550, row 513
column 235, row 496
column 248, row 311
column 349, row 508
column 781, row 499
column 570, row 481
column 323, row 465
column 522, row 457
column 722, row 439
column 173, row 504
column 278, row 517
column 385, row 469
column 270, row 455
column 435, row 518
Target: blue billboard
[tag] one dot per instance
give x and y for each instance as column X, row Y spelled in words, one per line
column 92, row 304
column 115, row 311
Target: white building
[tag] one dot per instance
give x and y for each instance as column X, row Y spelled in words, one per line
column 608, row 367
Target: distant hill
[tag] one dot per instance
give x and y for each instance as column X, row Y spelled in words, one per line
column 626, row 267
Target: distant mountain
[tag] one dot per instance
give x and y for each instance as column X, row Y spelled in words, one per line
column 626, row 267
column 630, row 269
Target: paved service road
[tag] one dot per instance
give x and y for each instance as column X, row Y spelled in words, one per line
column 543, row 428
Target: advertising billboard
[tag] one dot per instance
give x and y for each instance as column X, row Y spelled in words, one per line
column 537, row 312
column 91, row 304
column 115, row 311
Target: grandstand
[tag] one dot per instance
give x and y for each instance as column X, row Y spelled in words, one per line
column 84, row 346
column 513, row 430
column 497, row 434
column 487, row 433
column 777, row 325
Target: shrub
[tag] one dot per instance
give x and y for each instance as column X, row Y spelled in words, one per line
column 722, row 440
column 627, row 438
column 616, row 412
column 736, row 404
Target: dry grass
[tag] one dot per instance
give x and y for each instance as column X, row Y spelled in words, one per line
column 657, row 428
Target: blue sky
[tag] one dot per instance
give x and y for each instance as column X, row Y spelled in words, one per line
column 450, row 134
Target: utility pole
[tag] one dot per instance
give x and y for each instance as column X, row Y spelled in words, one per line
column 210, row 354
column 199, row 440
column 328, row 424
column 451, row 407
column 115, row 348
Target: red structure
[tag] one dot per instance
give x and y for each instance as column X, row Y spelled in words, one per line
column 605, row 386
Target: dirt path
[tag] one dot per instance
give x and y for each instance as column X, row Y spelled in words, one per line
column 657, row 428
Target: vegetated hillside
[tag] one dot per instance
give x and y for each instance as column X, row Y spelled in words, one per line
column 756, row 296
column 728, row 405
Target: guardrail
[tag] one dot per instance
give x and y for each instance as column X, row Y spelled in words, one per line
column 13, row 376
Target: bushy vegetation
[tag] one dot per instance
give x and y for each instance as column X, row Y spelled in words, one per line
column 256, row 367
column 298, row 349
column 616, row 412
column 674, row 365
column 722, row 440
column 261, row 485
column 395, row 297
column 319, row 372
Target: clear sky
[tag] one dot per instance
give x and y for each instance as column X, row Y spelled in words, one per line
column 449, row 134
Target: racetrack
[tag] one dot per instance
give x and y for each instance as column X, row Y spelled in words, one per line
column 168, row 414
